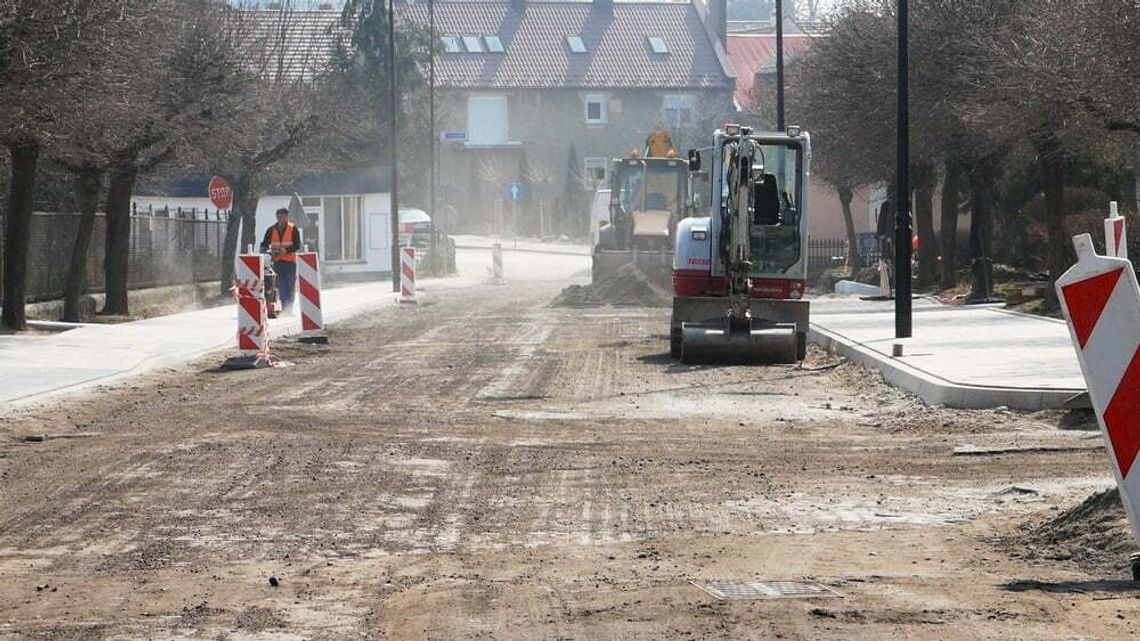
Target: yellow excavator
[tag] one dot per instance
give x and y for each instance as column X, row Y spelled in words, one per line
column 649, row 194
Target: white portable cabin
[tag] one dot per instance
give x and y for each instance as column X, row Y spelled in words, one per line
column 347, row 215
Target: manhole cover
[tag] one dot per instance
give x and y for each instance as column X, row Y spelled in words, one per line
column 765, row 589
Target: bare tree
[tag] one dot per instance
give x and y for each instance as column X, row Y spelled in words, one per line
column 62, row 59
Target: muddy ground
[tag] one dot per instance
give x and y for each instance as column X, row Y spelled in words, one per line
column 485, row 466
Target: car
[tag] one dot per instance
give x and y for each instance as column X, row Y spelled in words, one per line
column 415, row 227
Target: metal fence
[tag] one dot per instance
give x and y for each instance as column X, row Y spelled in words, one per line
column 167, row 247
column 830, row 253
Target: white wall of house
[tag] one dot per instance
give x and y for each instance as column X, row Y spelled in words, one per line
column 352, row 231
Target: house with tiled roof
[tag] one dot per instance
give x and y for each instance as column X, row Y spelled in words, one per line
column 527, row 88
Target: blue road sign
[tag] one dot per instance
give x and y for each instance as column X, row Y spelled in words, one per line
column 453, row 136
column 515, row 192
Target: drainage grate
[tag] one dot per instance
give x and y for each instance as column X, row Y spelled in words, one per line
column 766, row 590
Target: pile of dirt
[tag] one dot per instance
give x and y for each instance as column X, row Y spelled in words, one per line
column 1094, row 534
column 627, row 286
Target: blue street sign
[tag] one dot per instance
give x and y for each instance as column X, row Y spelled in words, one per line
column 453, row 136
column 515, row 192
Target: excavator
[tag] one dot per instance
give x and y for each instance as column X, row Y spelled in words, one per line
column 649, row 193
column 739, row 272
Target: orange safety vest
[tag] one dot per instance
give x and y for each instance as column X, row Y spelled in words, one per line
column 277, row 240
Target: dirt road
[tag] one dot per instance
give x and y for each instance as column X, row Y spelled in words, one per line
column 484, row 466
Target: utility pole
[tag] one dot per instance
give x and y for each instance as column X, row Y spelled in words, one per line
column 902, row 194
column 431, row 108
column 393, row 139
column 780, row 65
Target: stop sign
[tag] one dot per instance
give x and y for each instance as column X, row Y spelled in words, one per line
column 221, row 195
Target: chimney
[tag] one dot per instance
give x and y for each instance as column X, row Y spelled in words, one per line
column 605, row 6
column 519, row 5
column 718, row 15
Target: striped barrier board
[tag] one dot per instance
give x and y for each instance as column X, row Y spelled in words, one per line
column 309, row 286
column 1101, row 302
column 253, row 328
column 248, row 272
column 407, row 275
column 1115, row 233
column 497, row 263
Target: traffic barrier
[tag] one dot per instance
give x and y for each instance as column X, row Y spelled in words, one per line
column 407, row 275
column 309, row 286
column 1101, row 302
column 497, row 263
column 253, row 322
column 1115, row 233
column 248, row 271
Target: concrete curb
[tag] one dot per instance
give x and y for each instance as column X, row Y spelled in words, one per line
column 532, row 250
column 936, row 390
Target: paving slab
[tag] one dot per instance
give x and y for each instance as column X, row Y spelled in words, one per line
column 960, row 355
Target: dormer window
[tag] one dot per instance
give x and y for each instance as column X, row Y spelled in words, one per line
column 472, row 43
column 451, row 44
column 494, row 44
column 657, row 44
column 576, row 45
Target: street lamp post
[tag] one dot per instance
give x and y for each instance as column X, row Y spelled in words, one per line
column 902, row 193
column 780, row 65
column 394, row 201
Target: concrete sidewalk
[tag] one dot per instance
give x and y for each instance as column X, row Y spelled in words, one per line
column 469, row 241
column 959, row 356
column 33, row 366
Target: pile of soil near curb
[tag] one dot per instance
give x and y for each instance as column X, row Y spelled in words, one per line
column 627, row 286
column 1094, row 534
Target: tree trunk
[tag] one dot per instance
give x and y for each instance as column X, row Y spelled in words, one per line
column 854, row 258
column 76, row 283
column 981, row 234
column 116, row 260
column 951, row 186
column 1060, row 254
column 17, row 231
column 246, row 203
column 241, row 228
column 924, row 224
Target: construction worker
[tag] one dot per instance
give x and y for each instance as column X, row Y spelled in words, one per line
column 282, row 241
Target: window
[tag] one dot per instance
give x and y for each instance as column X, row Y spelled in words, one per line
column 595, row 109
column 486, row 120
column 594, row 171
column 451, row 44
column 472, row 43
column 342, row 228
column 657, row 44
column 494, row 44
column 677, row 110
column 575, row 43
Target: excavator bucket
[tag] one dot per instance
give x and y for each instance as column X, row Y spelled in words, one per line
column 721, row 341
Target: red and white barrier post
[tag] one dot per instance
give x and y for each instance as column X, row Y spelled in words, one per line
column 1115, row 233
column 497, row 263
column 1101, row 302
column 407, row 275
column 309, row 286
column 253, row 323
